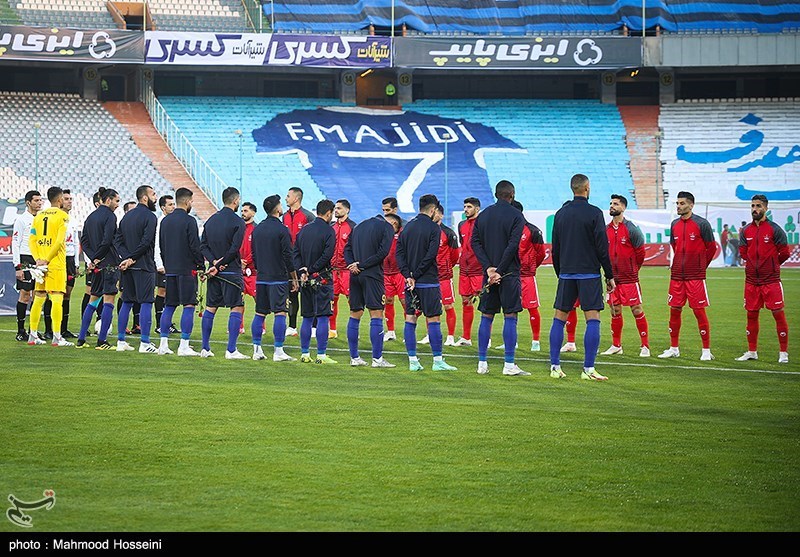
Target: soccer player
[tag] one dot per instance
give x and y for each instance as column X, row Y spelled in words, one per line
column 220, row 243
column 417, row 250
column 763, row 247
column 88, row 275
column 48, row 247
column 313, row 251
column 22, row 258
column 136, row 245
column 342, row 228
column 71, row 243
column 693, row 245
column 167, row 204
column 389, row 207
column 295, row 218
column 99, row 243
column 626, row 251
column 495, row 241
column 272, row 256
column 135, row 329
column 393, row 281
column 364, row 253
column 182, row 258
column 580, row 249
column 470, row 272
column 249, row 212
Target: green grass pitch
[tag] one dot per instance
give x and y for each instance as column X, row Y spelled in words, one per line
column 134, row 442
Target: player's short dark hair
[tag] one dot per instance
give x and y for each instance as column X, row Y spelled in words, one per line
column 325, row 206
column 251, row 206
column 762, row 198
column 344, row 202
column 425, row 201
column 162, row 201
column 686, row 195
column 141, row 191
column 182, row 195
column 391, row 217
column 66, row 191
column 228, row 195
column 517, row 205
column 53, row 193
column 128, row 204
column 30, row 195
column 298, row 191
column 390, row 201
column 622, row 199
column 472, row 201
column 504, row 190
column 106, row 194
column 578, row 182
column 271, row 202
column 440, row 208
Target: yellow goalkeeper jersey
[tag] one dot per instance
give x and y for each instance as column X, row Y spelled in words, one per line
column 48, row 237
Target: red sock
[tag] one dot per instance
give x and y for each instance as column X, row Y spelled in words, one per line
column 641, row 324
column 536, row 323
column 332, row 320
column 752, row 330
column 703, row 326
column 468, row 314
column 616, row 330
column 572, row 325
column 674, row 326
column 783, row 329
column 389, row 310
column 451, row 320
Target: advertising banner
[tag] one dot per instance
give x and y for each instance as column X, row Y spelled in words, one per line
column 71, row 45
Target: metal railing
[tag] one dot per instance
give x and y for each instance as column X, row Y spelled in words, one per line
column 254, row 14
column 197, row 167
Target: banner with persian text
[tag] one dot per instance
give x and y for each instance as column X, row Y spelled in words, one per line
column 71, row 45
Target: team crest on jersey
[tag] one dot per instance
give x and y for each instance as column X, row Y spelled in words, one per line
column 692, row 236
column 766, row 239
column 623, row 241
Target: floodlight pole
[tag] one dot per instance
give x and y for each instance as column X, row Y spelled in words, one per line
column 36, row 127
column 446, row 137
column 392, row 18
column 241, row 162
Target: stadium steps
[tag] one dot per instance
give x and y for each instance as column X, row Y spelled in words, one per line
column 641, row 126
column 134, row 116
column 7, row 14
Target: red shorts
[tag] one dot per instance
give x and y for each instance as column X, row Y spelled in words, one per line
column 341, row 282
column 395, row 285
column 626, row 295
column 694, row 290
column 446, row 286
column 249, row 283
column 768, row 296
column 469, row 286
column 530, row 293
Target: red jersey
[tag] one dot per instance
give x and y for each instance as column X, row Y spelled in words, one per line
column 531, row 250
column 626, row 250
column 764, row 248
column 692, row 240
column 448, row 253
column 341, row 231
column 390, row 263
column 468, row 262
column 295, row 220
column 246, row 251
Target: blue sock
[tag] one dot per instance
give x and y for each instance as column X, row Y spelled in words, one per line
column 305, row 334
column 410, row 338
column 187, row 322
column 106, row 316
column 484, row 334
column 510, row 338
column 257, row 328
column 352, row 336
column 86, row 319
column 376, row 336
column 146, row 322
column 122, row 319
column 591, row 342
column 556, row 340
column 435, row 336
column 322, row 335
column 206, row 325
column 279, row 330
column 234, row 323
column 166, row 320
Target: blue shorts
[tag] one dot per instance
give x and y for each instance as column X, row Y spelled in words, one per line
column 589, row 291
column 317, row 302
column 181, row 290
column 161, row 280
column 506, row 296
column 104, row 281
column 138, row 286
column 366, row 292
column 220, row 293
column 271, row 298
column 424, row 298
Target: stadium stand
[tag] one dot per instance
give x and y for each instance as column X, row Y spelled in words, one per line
column 198, row 15
column 80, row 147
column 642, row 139
column 7, row 14
column 81, row 14
column 730, row 149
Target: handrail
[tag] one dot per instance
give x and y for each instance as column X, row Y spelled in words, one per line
column 196, row 166
column 255, row 21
